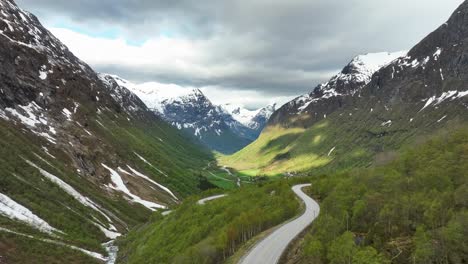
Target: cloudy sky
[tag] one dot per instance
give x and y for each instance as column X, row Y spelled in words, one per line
column 251, row 52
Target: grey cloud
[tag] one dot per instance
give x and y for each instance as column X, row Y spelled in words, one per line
column 273, row 40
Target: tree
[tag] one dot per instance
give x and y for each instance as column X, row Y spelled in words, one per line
column 368, row 255
column 342, row 249
column 314, row 249
column 423, row 251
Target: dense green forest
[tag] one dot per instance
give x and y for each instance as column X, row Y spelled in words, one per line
column 212, row 232
column 412, row 210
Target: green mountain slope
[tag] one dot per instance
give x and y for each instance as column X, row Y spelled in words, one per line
column 81, row 159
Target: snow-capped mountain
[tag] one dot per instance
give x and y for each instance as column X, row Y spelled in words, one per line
column 253, row 119
column 348, row 82
column 191, row 111
column 351, row 79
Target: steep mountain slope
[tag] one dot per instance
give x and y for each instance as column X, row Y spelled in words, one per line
column 348, row 124
column 81, row 158
column 191, row 111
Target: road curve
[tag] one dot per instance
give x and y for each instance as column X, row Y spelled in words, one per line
column 270, row 249
column 207, row 199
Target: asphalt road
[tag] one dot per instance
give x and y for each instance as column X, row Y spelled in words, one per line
column 207, row 199
column 270, row 249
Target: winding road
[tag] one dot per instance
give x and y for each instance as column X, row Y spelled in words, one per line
column 270, row 249
column 207, row 199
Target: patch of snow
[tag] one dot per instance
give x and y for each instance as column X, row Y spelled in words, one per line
column 428, row 103
column 166, row 212
column 331, row 151
column 67, row 114
column 438, row 121
column 3, row 115
column 87, row 252
column 15, row 211
column 443, row 97
column 437, row 53
column 108, row 233
column 152, row 181
column 72, row 192
column 47, row 152
column 33, row 114
column 52, row 130
column 151, row 165
column 42, row 75
column 461, row 94
column 387, row 123
column 119, row 185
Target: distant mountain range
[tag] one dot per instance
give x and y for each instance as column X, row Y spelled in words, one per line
column 226, row 128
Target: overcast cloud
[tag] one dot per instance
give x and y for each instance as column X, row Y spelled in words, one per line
column 261, row 50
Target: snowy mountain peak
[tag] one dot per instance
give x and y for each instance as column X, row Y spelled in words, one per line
column 350, row 80
column 361, row 68
column 239, row 113
column 253, row 119
column 372, row 62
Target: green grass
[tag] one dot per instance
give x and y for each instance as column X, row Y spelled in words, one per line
column 248, row 173
column 221, row 180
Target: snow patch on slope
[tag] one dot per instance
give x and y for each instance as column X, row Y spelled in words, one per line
column 153, row 182
column 151, row 165
column 119, row 185
column 15, row 211
column 452, row 95
column 110, row 233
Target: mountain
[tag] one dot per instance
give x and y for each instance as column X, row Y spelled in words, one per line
column 191, row 111
column 253, row 119
column 366, row 113
column 329, row 96
column 82, row 159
